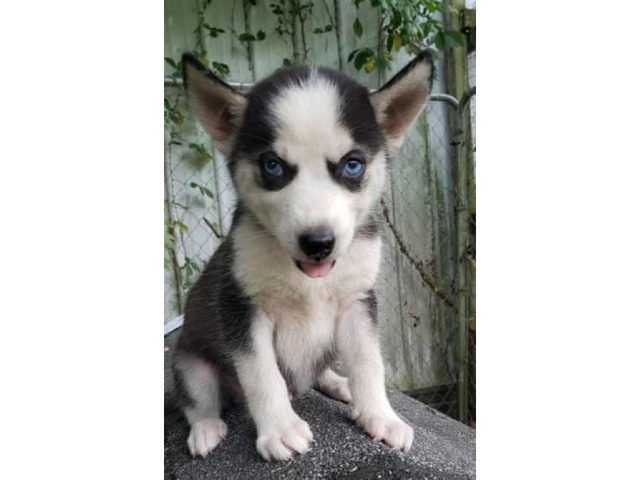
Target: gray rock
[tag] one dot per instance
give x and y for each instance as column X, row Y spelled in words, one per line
column 443, row 448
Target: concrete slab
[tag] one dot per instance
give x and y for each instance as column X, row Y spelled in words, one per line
column 443, row 448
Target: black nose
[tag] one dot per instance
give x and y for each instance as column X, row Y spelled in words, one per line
column 317, row 244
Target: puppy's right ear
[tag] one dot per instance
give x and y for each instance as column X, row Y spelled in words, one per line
column 219, row 107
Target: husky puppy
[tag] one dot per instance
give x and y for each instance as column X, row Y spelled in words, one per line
column 291, row 287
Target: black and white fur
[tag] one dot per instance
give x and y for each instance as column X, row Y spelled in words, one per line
column 257, row 327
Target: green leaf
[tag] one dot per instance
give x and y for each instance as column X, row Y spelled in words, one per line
column 328, row 28
column 390, row 42
column 181, row 226
column 439, row 40
column 286, row 62
column 202, row 190
column 221, row 68
column 453, row 38
column 396, row 18
column 357, row 27
column 177, row 117
column 246, row 37
column 370, row 64
column 362, row 57
column 397, row 42
column 260, row 35
column 171, row 62
column 201, row 150
column 352, row 54
column 213, row 31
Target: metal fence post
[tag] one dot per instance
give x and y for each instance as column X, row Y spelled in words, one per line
column 462, row 243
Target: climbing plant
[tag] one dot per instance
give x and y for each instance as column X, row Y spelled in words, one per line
column 414, row 25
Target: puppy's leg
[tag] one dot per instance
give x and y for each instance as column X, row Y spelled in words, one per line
column 334, row 386
column 281, row 432
column 358, row 345
column 198, row 389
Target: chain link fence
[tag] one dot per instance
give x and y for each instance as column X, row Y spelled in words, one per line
column 417, row 284
column 199, row 200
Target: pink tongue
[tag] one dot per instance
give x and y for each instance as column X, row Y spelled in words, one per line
column 316, row 270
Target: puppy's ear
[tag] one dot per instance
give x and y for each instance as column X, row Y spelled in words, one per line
column 219, row 107
column 399, row 103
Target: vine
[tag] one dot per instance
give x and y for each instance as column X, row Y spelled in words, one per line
column 185, row 269
column 410, row 24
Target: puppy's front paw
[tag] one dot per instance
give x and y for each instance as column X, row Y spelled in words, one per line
column 205, row 435
column 285, row 438
column 387, row 428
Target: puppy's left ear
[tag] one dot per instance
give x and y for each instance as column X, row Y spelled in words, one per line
column 399, row 103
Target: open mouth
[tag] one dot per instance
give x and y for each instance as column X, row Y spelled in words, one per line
column 315, row 269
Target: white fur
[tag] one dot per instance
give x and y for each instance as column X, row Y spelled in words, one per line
column 205, row 435
column 201, row 382
column 268, row 273
column 332, row 384
column 303, row 310
column 359, row 347
column 306, row 315
column 281, row 432
column 310, row 133
column 308, row 118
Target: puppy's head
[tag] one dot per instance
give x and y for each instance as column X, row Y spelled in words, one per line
column 308, row 148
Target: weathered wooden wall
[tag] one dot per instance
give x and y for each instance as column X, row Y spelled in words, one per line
column 420, row 332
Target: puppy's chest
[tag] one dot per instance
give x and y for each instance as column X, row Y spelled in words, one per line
column 304, row 340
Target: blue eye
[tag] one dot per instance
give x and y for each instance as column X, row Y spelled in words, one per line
column 272, row 167
column 353, row 168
